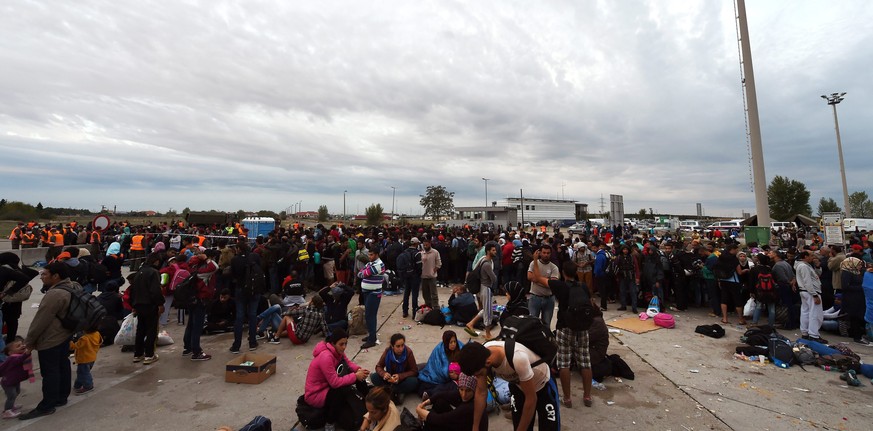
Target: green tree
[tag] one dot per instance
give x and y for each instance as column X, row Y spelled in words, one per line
column 787, row 197
column 283, row 215
column 827, row 205
column 437, row 202
column 860, row 205
column 240, row 215
column 2, row 203
column 643, row 213
column 374, row 214
column 268, row 213
column 185, row 212
column 323, row 215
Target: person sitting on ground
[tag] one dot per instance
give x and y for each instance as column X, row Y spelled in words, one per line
column 311, row 321
column 598, row 345
column 221, row 315
column 462, row 305
column 434, row 376
column 382, row 414
column 854, row 304
column 336, row 303
column 326, row 380
column 397, row 369
column 452, row 410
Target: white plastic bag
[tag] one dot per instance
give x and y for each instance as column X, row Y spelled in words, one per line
column 127, row 334
column 749, row 309
column 164, row 339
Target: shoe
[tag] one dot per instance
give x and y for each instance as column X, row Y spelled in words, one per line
column 274, row 340
column 818, row 340
column 368, row 345
column 35, row 413
column 151, row 359
column 863, row 341
column 61, row 404
column 260, row 336
column 201, row 357
column 82, row 391
column 471, row 332
column 137, row 358
column 851, row 378
column 234, row 350
column 567, row 402
column 602, row 308
column 10, row 414
column 186, row 352
column 253, row 347
column 622, row 308
column 405, row 315
column 587, row 402
column 804, row 336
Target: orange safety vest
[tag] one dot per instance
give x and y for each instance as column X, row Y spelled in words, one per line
column 28, row 239
column 136, row 243
column 15, row 234
column 46, row 237
column 200, row 240
column 59, row 240
column 95, row 237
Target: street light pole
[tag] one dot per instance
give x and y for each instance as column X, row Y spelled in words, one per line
column 834, row 99
column 344, row 204
column 393, row 193
column 486, row 190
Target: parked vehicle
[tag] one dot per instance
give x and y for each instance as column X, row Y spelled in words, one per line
column 725, row 226
column 689, row 225
column 862, row 224
column 578, row 228
column 779, row 225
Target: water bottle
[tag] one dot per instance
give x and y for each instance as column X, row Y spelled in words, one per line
column 597, row 385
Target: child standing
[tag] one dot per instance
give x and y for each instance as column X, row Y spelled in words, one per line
column 86, row 348
column 17, row 368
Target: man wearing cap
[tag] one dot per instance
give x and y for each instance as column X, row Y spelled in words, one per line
column 430, row 266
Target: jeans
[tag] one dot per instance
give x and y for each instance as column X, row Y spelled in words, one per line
column 406, row 386
column 271, row 316
column 83, row 376
column 196, row 319
column 811, row 315
column 628, row 287
column 372, row 299
column 771, row 313
column 164, row 319
column 411, row 284
column 246, row 308
column 429, row 292
column 146, row 330
column 12, row 393
column 540, row 306
column 89, row 288
column 54, row 365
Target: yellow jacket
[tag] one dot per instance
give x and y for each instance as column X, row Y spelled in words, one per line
column 86, row 347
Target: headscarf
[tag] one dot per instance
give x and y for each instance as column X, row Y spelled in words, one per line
column 465, row 381
column 114, row 248
column 159, row 247
column 852, row 265
column 9, row 258
column 517, row 294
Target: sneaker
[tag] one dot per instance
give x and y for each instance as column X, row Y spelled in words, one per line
column 368, row 345
column 83, row 390
column 137, row 359
column 274, row 340
column 260, row 336
column 201, row 357
column 234, row 350
column 35, row 413
column 471, row 332
column 863, row 341
column 851, row 378
column 621, row 309
column 10, row 414
column 253, row 346
column 150, row 359
column 186, row 352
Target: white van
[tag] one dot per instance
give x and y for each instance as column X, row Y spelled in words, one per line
column 779, row 225
column 725, row 226
column 690, row 225
column 862, row 224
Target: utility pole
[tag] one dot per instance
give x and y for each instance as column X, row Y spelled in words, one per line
column 486, row 191
column 344, row 204
column 834, row 99
column 521, row 193
column 393, row 191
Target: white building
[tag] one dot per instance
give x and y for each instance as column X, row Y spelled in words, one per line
column 534, row 210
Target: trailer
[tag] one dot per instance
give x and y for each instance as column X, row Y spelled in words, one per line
column 862, row 224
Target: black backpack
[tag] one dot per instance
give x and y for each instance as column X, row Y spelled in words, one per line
column 473, row 283
column 610, row 268
column 434, row 317
column 780, row 351
column 185, row 294
column 405, row 263
column 578, row 313
column 85, row 312
column 97, row 272
column 254, row 282
column 532, row 333
column 757, row 335
column 715, row 330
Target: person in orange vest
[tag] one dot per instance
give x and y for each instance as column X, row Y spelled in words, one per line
column 29, row 240
column 46, row 237
column 137, row 251
column 200, row 240
column 96, row 241
column 15, row 235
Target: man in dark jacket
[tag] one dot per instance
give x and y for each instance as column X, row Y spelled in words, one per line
column 336, row 302
column 250, row 286
column 147, row 303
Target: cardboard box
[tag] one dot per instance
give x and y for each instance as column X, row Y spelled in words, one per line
column 250, row 368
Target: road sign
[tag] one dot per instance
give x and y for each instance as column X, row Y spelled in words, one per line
column 833, row 228
column 101, row 222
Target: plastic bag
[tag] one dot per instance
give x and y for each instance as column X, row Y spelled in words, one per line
column 127, row 334
column 749, row 309
column 164, row 339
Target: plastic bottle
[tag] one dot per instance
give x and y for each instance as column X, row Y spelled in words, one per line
column 597, row 385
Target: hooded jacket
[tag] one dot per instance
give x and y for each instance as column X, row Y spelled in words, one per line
column 322, row 374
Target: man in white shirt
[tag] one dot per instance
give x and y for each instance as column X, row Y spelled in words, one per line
column 809, row 285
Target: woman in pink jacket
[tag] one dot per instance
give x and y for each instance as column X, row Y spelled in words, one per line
column 331, row 374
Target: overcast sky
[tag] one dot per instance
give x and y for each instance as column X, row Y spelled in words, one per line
column 263, row 104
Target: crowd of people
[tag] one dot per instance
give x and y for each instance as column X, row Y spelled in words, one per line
column 299, row 281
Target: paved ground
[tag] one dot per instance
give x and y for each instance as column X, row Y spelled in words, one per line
column 725, row 393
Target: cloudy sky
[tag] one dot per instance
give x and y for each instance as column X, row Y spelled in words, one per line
column 264, row 104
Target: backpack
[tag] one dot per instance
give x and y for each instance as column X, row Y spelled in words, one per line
column 610, row 264
column 259, row 423
column 532, row 333
column 404, row 263
column 780, row 351
column 665, row 263
column 356, row 321
column 578, row 313
column 85, row 312
column 185, row 292
column 179, row 276
column 757, row 335
column 310, row 417
column 803, row 355
column 764, row 286
column 715, row 330
column 473, row 283
column 97, row 272
column 665, row 320
column 254, row 282
column 434, row 317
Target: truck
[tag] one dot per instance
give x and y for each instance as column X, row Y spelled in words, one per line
column 209, row 218
column 862, row 224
